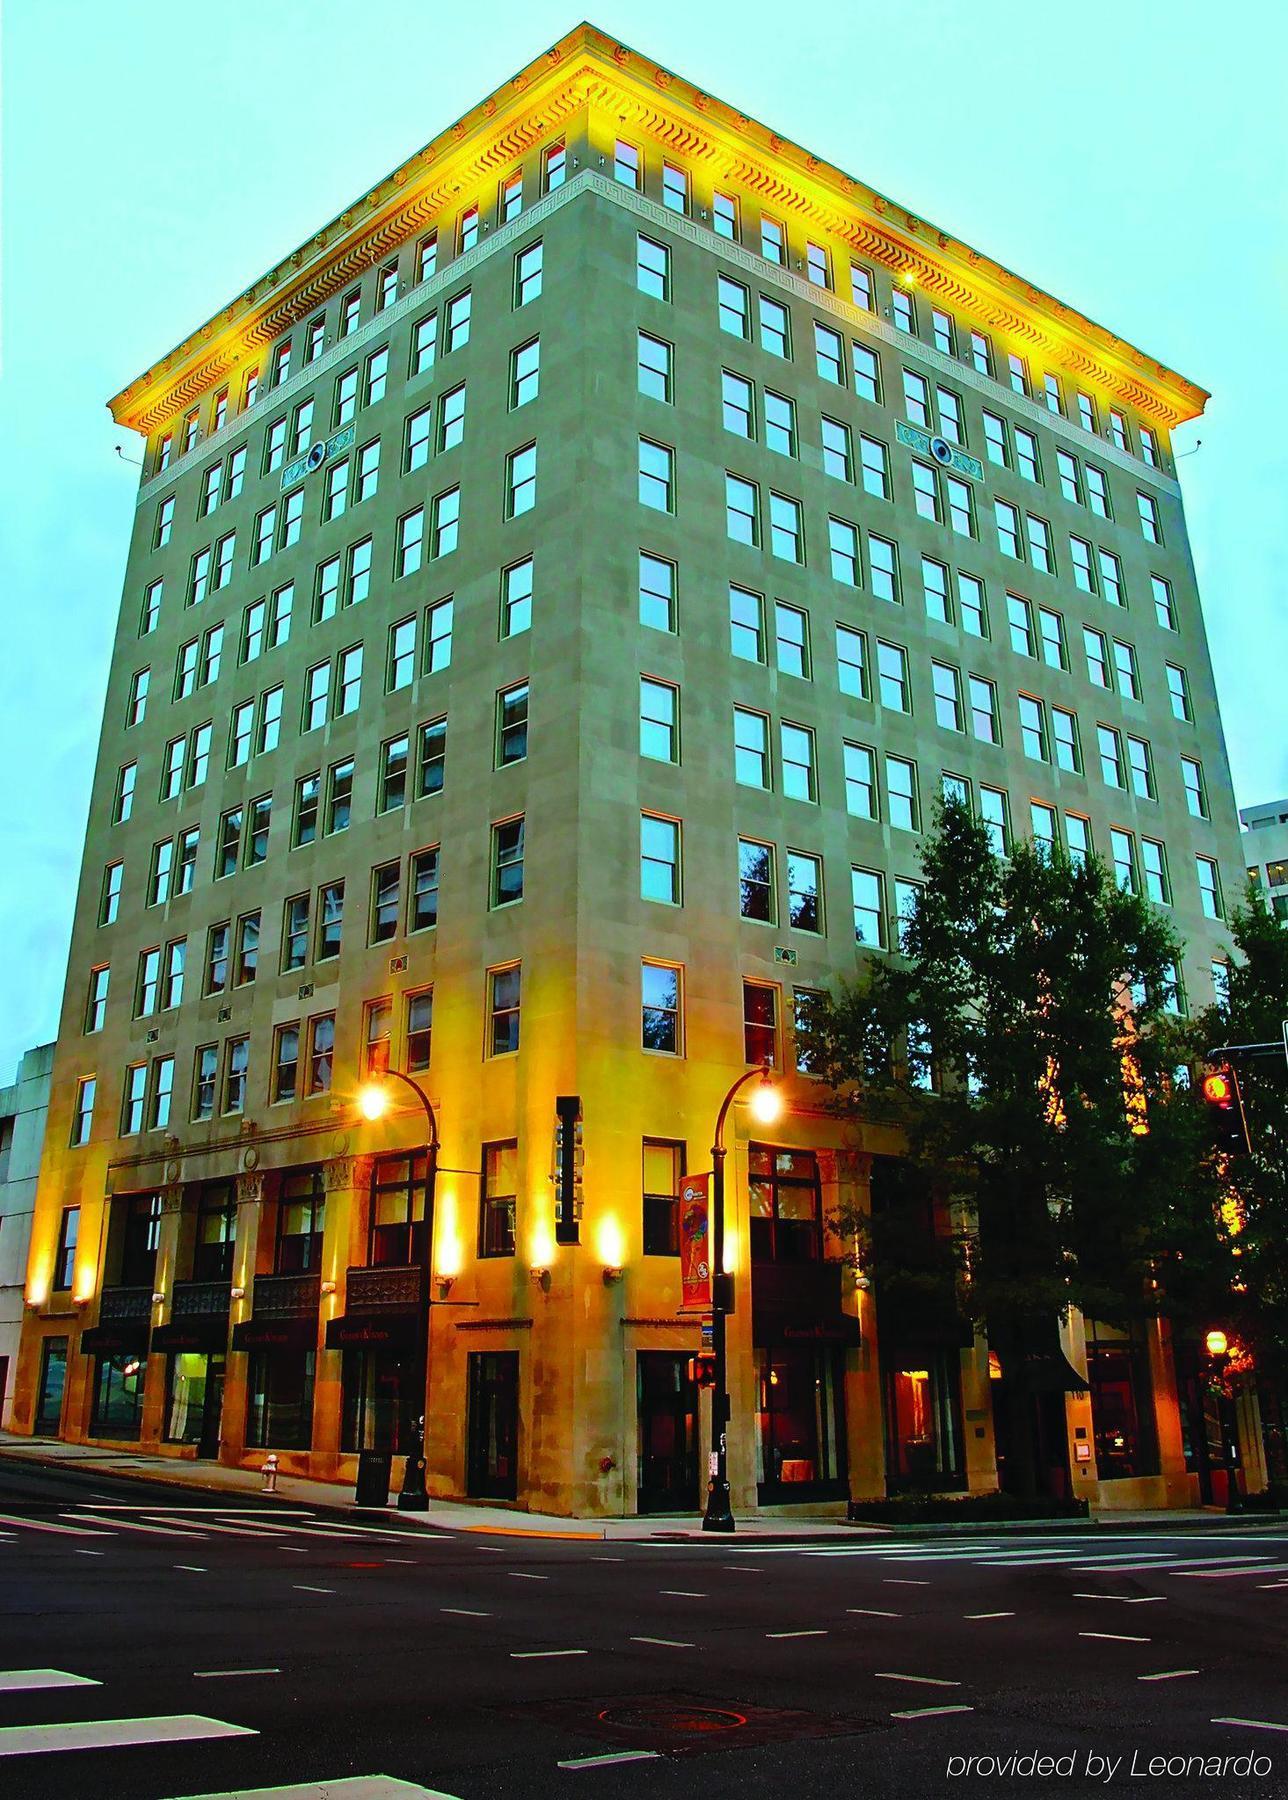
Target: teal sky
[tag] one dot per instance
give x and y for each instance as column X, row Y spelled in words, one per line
column 1128, row 155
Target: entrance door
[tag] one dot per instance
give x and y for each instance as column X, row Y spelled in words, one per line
column 668, row 1433
column 492, row 1433
column 53, row 1378
column 212, row 1409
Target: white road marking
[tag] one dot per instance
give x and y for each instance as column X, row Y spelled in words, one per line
column 666, row 1643
column 741, row 1569
column 353, row 1787
column 78, row 1551
column 1226, row 1574
column 1161, row 1565
column 873, row 1612
column 930, row 1712
column 996, row 1615
column 532, row 1655
column 921, row 1680
column 223, row 1674
column 294, row 1549
column 1117, row 1637
column 894, row 1581
column 795, row 1634
column 519, row 1575
column 13, row 1681
column 215, row 1512
column 192, row 1568
column 109, row 1734
column 1169, row 1675
column 466, row 1612
column 602, row 1762
column 1126, row 1599
column 138, row 1525
column 1253, row 1724
column 410, row 1561
column 237, row 1531
column 302, row 1587
column 682, row 1593
column 1260, row 1584
column 58, row 1530
column 620, row 1559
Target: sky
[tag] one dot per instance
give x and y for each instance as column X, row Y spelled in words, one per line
column 1127, row 155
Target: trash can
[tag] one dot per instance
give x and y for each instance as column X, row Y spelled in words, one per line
column 373, row 1478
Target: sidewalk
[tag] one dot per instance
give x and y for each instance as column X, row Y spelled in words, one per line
column 503, row 1521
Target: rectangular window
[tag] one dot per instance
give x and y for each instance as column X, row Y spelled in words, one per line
column 626, row 164
column 110, row 899
column 883, row 568
column 861, row 782
column 1098, row 492
column 659, row 859
column 925, row 489
column 780, row 424
column 663, row 1171
column 741, row 510
column 843, row 551
column 321, row 1053
column 135, row 1090
column 1209, row 888
column 1033, row 732
column 499, row 1188
column 295, row 933
column 904, row 311
column 1112, row 765
column 520, row 481
column 994, row 816
column 903, row 809
column 1153, row 862
column 1178, row 689
column 1097, row 653
column 817, row 266
column 1126, row 670
column 438, row 636
column 1077, row 831
column 162, row 1093
column 659, row 720
column 867, row 373
column 1017, row 373
column 1122, row 851
column 947, row 684
column 724, row 215
column 867, row 898
column 291, row 518
column 791, row 638
column 1041, row 554
column 995, row 440
column 509, row 201
column 511, row 725
column 653, row 269
column 760, row 1024
column 339, row 797
column 916, row 399
column 456, row 327
column 1055, row 652
column 525, row 373
column 796, row 744
column 786, row 535
column 1084, row 575
column 1164, row 609
column 554, row 161
column 829, row 355
column 874, row 463
column 424, row 342
column 851, row 662
column 516, row 598
column 1147, row 510
column 675, row 188
column 164, row 524
column 751, row 748
column 246, row 957
column 159, row 872
column 422, row 901
column 1042, row 823
column 746, row 624
column 386, row 902
column 656, row 476
column 330, row 920
column 1008, row 529
column 892, row 678
column 446, row 521
column 504, row 993
column 757, row 882
column 451, row 419
column 971, row 605
column 1111, row 577
column 861, row 286
column 653, row 366
column 218, row 957
column 950, row 415
column 1196, row 799
column 941, row 328
column 431, row 758
column 1148, row 447
column 151, row 607
column 838, row 450
column 236, row 1068
column 393, row 773
column 126, row 777
column 507, row 862
column 775, row 332
column 1070, row 483
column 656, row 592
column 308, row 791
column 528, row 272
column 661, row 1021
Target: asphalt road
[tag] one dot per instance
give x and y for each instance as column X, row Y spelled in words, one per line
column 294, row 1646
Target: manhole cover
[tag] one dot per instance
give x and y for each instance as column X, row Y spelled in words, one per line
column 680, row 1724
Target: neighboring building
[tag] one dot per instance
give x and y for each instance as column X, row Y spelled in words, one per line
column 1265, row 850
column 558, row 593
column 23, row 1106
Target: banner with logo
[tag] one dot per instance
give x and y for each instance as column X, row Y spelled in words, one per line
column 695, row 1243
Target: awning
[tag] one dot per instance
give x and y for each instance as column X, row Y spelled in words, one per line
column 125, row 1337
column 276, row 1334
column 371, row 1331
column 208, row 1333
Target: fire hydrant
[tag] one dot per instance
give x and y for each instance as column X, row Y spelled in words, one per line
column 269, row 1473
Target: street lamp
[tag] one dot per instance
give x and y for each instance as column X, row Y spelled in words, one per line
column 1218, row 1348
column 766, row 1106
column 373, row 1103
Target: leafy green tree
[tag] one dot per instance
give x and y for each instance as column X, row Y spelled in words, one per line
column 1021, row 1044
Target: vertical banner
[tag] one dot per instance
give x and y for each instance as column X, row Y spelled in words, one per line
column 695, row 1243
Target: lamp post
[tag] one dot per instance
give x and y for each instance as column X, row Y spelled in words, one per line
column 373, row 1103
column 766, row 1105
column 1218, row 1348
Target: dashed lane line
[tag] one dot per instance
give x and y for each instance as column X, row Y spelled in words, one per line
column 992, row 1615
column 930, row 1712
column 536, row 1655
column 1116, row 1637
column 228, row 1674
column 1169, row 1675
column 1253, row 1724
column 682, row 1593
column 602, row 1762
column 302, row 1587
column 920, row 1680
column 818, row 1632
column 873, row 1612
column 666, row 1643
column 192, row 1568
column 466, row 1612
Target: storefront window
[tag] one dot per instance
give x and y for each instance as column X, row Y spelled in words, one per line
column 784, row 1201
column 187, row 1380
column 212, row 1256
column 372, row 1414
column 53, row 1379
column 923, row 1421
column 301, row 1216
column 1122, row 1411
column 279, row 1400
column 800, row 1445
column 397, row 1235
column 140, row 1237
column 118, row 1395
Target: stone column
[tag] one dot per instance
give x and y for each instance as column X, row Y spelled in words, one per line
column 152, row 1424
column 250, row 1215
column 344, row 1242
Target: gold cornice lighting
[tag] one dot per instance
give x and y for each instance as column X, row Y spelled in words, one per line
column 588, row 68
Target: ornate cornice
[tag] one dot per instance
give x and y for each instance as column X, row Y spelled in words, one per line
column 587, row 67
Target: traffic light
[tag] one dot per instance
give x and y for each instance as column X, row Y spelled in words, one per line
column 702, row 1371
column 1224, row 1104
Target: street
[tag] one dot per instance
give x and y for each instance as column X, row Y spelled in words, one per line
column 252, row 1643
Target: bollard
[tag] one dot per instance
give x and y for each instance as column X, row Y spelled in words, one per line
column 269, row 1472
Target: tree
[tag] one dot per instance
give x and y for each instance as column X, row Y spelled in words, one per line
column 1031, row 996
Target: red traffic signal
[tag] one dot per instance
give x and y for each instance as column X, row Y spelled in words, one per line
column 1225, row 1113
column 1217, row 1090
column 702, row 1371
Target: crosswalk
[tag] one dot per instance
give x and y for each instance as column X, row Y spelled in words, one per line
column 196, row 1524
column 1161, row 1554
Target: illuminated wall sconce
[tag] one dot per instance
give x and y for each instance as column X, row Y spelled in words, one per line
column 611, row 1276
column 158, row 1299
column 541, row 1279
column 863, row 1283
column 328, row 1287
column 444, row 1285
column 237, row 1293
column 78, row 1299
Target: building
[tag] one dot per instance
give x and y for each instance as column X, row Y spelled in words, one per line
column 23, row 1105
column 558, row 592
column 1265, row 851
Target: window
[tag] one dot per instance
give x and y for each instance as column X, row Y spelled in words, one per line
column 1077, row 833
column 516, row 598
column 451, row 419
column 874, row 462
column 1178, row 689
column 838, row 450
column 916, row 399
column 393, row 773
column 861, row 286
column 159, row 873
column 1112, row 767
column 525, row 373
column 555, row 166
column 456, row 329
column 746, row 624
column 756, row 882
column 528, row 271
column 136, row 1080
column 660, row 1009
column 656, row 476
column 817, row 267
column 218, row 962
column 883, row 568
column 339, row 796
column 724, row 215
column 851, row 662
column 164, row 524
column 786, row 538
column 925, row 487
column 291, row 517
column 346, row 397
column 626, row 164
column 1153, row 862
column 110, row 899
column 843, row 551
column 904, row 311
column 950, row 415
column 971, row 606
column 751, row 748
column 176, row 956
column 1070, row 483
column 96, row 1004
column 1209, row 888
column 1122, row 852
column 386, row 904
column 137, row 704
column 1148, row 447
column 903, row 808
column 236, row 1067
column 350, row 312
column 780, row 424
column 659, row 720
column 759, row 1023
column 419, row 1029
column 1055, row 652
column 210, row 488
column 499, row 1188
column 741, row 510
column 961, row 506
column 653, row 270
column 1017, row 373
column 302, row 428
column 941, row 328
column 295, row 933
column 1147, row 510
column 512, row 725
column 1164, row 610
column 1098, row 492
column 126, row 777
column 438, row 636
column 675, row 188
column 1042, row 823
column 330, row 920
column 446, row 520
column 995, row 439
column 867, row 897
column 663, row 1170
column 374, row 377
column 659, row 859
column 947, row 685
column 1126, row 670
column 796, row 744
column 307, row 793
column 861, row 782
column 994, row 816
column 867, row 373
column 653, row 366
column 509, row 201
column 1008, row 529
column 1097, row 653
column 432, row 758
column 829, row 355
column 507, row 862
column 83, row 1111
column 246, row 958
column 791, row 636
column 1033, row 732
column 892, row 678
column 1083, row 572
column 503, row 1010
column 321, row 1053
column 775, row 333
column 983, row 710
column 1040, row 552
column 772, row 241
column 151, row 607
column 521, row 481
column 1196, row 799
column 1051, row 394
column 162, row 1093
